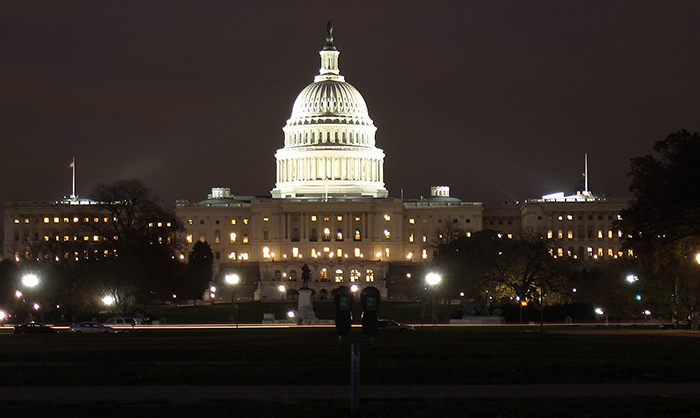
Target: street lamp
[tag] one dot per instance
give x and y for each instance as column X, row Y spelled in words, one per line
column 30, row 281
column 233, row 280
column 632, row 279
column 432, row 279
column 282, row 289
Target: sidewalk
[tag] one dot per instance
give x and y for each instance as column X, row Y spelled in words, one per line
column 126, row 394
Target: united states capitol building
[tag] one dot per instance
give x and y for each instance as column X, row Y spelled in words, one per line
column 329, row 210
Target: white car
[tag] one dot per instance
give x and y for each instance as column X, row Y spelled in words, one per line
column 90, row 327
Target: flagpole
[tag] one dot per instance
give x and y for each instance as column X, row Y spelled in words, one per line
column 72, row 196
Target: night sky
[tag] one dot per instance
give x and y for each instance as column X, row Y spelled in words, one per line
column 497, row 99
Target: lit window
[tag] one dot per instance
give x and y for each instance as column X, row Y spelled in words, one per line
column 339, row 276
column 339, row 252
column 412, row 221
column 233, row 221
column 244, row 256
column 387, row 218
column 561, row 218
column 409, row 256
column 560, row 234
column 410, row 238
column 245, row 238
column 549, row 234
column 611, row 252
column 190, row 222
column 610, row 234
column 326, row 219
column 266, row 252
column 323, row 275
column 601, row 251
column 339, row 235
column 245, row 221
column 387, row 234
column 326, row 234
column 570, row 234
column 425, row 221
column 386, row 252
column 189, row 238
column 560, row 252
column 357, row 219
column 357, row 252
column 16, row 221
column 295, row 252
column 56, row 219
column 358, row 237
column 66, row 220
column 160, row 224
column 354, row 275
column 95, row 238
column 510, row 236
column 76, row 220
column 569, row 217
column 339, row 218
column 232, row 256
column 313, row 218
column 46, row 220
column 266, row 219
column 326, row 250
column 85, row 220
column 425, row 238
column 369, row 275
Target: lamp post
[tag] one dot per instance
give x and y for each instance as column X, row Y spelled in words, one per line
column 233, row 280
column 30, row 281
column 632, row 279
column 432, row 280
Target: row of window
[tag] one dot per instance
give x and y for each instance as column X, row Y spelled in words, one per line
column 65, row 219
column 339, row 276
column 590, row 252
column 601, row 234
column 579, row 217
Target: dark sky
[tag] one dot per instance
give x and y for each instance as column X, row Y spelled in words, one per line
column 497, row 99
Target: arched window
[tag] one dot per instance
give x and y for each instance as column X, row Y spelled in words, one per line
column 323, row 275
column 217, row 236
column 354, row 275
column 295, row 235
column 314, row 235
column 277, row 276
column 339, row 276
column 293, row 276
column 358, row 236
column 326, row 234
column 369, row 276
column 339, row 235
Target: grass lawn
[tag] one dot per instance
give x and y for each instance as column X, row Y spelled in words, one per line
column 313, row 356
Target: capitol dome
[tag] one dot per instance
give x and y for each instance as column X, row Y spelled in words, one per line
column 329, row 139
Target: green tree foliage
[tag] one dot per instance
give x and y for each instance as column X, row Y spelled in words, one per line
column 662, row 225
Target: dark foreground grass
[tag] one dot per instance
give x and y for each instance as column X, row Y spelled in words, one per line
column 313, row 356
column 550, row 408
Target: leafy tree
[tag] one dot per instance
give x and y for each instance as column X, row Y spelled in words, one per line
column 201, row 262
column 662, row 224
column 140, row 237
column 491, row 267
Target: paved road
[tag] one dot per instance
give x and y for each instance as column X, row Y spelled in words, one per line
column 86, row 394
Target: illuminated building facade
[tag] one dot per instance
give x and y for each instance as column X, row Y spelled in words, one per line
column 329, row 210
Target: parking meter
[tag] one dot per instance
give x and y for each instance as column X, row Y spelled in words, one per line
column 369, row 298
column 343, row 300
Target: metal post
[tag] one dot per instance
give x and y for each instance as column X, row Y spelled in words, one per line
column 355, row 377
